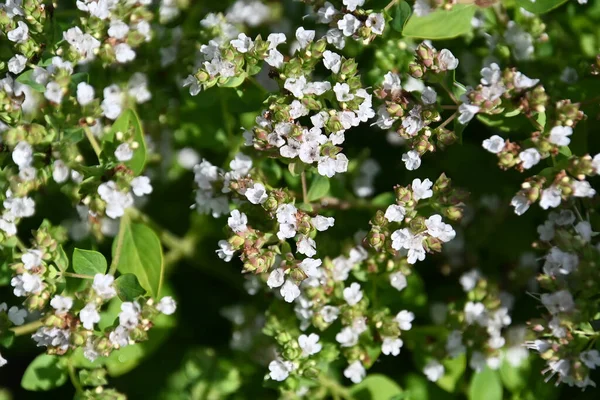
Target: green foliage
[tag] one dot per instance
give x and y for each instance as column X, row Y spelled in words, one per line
column 376, row 387
column 46, row 372
column 441, row 24
column 540, row 6
column 128, row 287
column 319, row 188
column 402, row 13
column 485, row 384
column 89, row 262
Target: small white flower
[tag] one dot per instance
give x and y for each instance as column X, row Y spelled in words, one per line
column 559, row 135
column 306, row 246
column 17, row 64
column 289, row 291
column 26, row 284
column 54, row 92
column 433, row 370
column 520, row 203
column 257, row 194
column 395, row 213
column 404, row 319
column 243, row 43
column 439, row 229
column 118, row 29
column 529, row 157
column 398, row 281
column 376, row 22
column 590, row 358
column 309, row 344
column 353, row 294
column 141, row 186
column 582, row 189
column 237, row 221
column 310, row 267
column 17, row 315
column 332, row 61
column 3, row 361
column 276, row 278
column 32, row 258
column 355, row 372
column 428, row 95
column 60, row 171
column 85, row 93
column 304, row 37
column 103, row 286
column 469, row 280
column 22, row 154
column 391, row 346
column 422, row 189
column 89, row 316
column 351, row 5
column 62, row 304
column 124, row 53
column 166, row 305
column 550, row 197
column 411, row 160
column 342, row 92
column 225, row 251
column 124, row 152
column 447, row 60
column 348, row 25
column 494, row 144
column 19, row 34
column 279, row 370
column 322, row 223
column 129, row 315
column 467, row 112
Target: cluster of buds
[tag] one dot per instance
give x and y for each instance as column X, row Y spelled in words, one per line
column 429, row 62
column 563, row 335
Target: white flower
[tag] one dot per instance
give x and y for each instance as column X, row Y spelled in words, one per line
column 433, row 370
column 118, row 29
column 85, row 93
column 558, row 302
column 422, row 189
column 60, row 171
column 546, row 231
column 467, row 112
column 551, row 197
column 257, row 194
column 166, row 305
column 469, row 280
column 322, row 223
column 342, row 92
column 141, row 186
column 590, row 358
column 439, row 229
column 353, row 294
column 89, row 316
column 559, row 135
column 274, row 58
column 584, row 229
column 398, row 281
column 392, row 83
column 306, row 246
column 376, row 22
column 3, row 361
column 395, row 213
column 309, row 344
column 330, row 166
column 475, row 312
column 348, row 25
column 26, row 284
column 355, row 371
column 521, row 81
column 54, row 92
column 332, row 61
column 279, row 370
column 310, row 267
column 411, row 160
column 520, row 203
column 116, row 201
column 129, row 315
column 529, row 157
column 237, row 221
column 582, row 189
column 103, row 286
column 428, row 95
column 17, row 316
column 276, row 278
column 62, row 304
column 494, row 144
column 391, row 346
column 22, row 154
column 405, row 239
column 17, row 64
column 119, row 337
column 404, row 319
column 225, row 251
column 352, row 4
column 447, row 60
column 289, row 291
column 243, row 43
column 304, row 37
column 454, row 344
column 124, row 152
column 124, row 53
column 19, row 34
column 32, row 258
column 325, row 14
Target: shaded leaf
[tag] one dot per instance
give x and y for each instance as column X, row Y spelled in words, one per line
column 441, row 24
column 402, row 13
column 319, row 187
column 375, row 387
column 128, row 287
column 44, row 373
column 88, row 262
column 485, row 385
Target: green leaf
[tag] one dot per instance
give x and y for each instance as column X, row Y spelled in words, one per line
column 129, row 123
column 140, row 254
column 26, row 78
column 88, row 262
column 485, row 385
column 375, row 387
column 384, row 199
column 454, row 369
column 128, row 287
column 540, row 6
column 62, row 261
column 44, row 373
column 402, row 13
column 233, row 81
column 514, row 378
column 441, row 24
column 319, row 187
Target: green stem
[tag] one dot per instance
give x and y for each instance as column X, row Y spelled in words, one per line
column 80, row 276
column 304, row 190
column 27, row 328
column 390, row 5
column 74, row 378
column 335, row 389
column 93, row 141
column 446, row 122
column 119, row 248
column 452, row 96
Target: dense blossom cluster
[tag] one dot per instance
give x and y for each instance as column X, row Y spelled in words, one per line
column 94, row 98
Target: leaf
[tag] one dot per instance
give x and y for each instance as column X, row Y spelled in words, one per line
column 514, row 378
column 88, row 262
column 233, row 81
column 26, row 78
column 402, row 13
column 62, row 261
column 375, row 387
column 44, row 373
column 384, row 199
column 485, row 385
column 127, row 121
column 540, row 6
column 441, row 24
column 319, row 187
column 454, row 369
column 128, row 287
column 140, row 254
